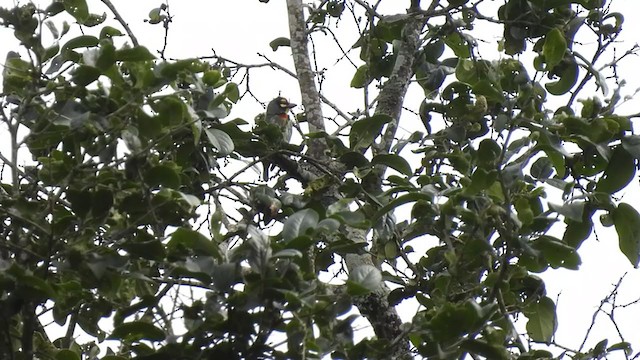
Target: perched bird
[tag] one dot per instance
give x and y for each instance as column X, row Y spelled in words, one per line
column 278, row 114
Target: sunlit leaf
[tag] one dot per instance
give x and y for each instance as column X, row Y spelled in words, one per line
column 363, row 279
column 555, row 45
column 220, row 140
column 361, row 78
column 298, row 224
column 542, row 322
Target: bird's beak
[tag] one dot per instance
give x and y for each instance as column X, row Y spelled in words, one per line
column 290, row 106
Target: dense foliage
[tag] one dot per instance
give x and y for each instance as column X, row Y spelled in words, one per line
column 132, row 212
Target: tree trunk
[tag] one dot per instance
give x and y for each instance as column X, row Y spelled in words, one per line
column 383, row 317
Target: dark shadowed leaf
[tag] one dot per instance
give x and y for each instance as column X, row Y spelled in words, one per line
column 281, row 41
column 137, row 330
column 163, row 175
column 66, row 354
column 619, row 173
column 85, row 75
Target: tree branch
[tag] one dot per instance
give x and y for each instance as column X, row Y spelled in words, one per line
column 306, row 76
column 124, row 24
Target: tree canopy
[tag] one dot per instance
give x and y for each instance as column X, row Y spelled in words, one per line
column 136, row 219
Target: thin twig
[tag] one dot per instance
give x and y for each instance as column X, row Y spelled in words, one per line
column 126, row 27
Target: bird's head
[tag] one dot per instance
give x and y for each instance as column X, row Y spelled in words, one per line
column 279, row 106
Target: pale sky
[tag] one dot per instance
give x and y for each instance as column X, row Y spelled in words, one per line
column 239, row 29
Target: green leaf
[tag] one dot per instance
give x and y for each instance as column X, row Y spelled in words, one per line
column 361, row 78
column 80, row 201
column 298, row 224
column 458, row 44
column 66, row 354
column 401, row 200
column 393, row 161
column 288, row 253
column 481, row 179
column 365, row 278
column 486, row 350
column 220, row 140
column 156, row 16
column 138, row 53
column 165, row 175
column 211, row 77
column 81, row 41
column 542, row 322
column 542, row 168
column 85, row 75
column 631, row 143
column 31, row 286
column 577, row 232
column 184, row 238
column 619, row 173
column 364, row 131
column 171, row 111
column 16, row 73
column 108, row 32
column 555, row 45
column 571, row 210
column 556, row 253
column 101, row 202
column 627, row 222
column 491, row 90
column 78, row 9
column 281, row 41
column 232, row 92
column 354, row 159
column 137, row 330
column 568, row 78
column 621, row 346
column 145, row 246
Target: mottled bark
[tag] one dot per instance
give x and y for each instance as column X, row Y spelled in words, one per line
column 306, row 77
column 395, row 88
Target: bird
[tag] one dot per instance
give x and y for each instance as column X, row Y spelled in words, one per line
column 278, row 114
